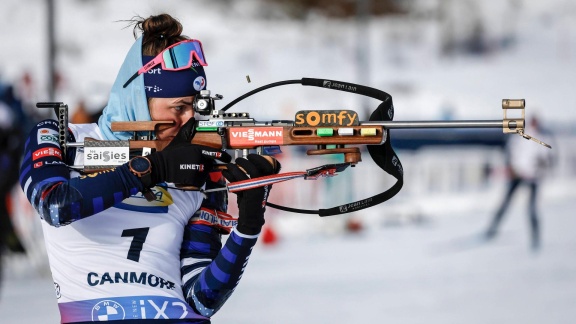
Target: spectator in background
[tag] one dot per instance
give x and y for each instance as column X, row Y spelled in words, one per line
column 25, row 90
column 11, row 146
column 526, row 163
column 82, row 116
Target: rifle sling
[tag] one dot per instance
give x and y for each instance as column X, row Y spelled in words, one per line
column 383, row 155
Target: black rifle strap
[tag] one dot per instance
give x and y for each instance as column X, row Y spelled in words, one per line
column 383, row 155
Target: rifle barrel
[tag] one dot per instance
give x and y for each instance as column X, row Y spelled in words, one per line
column 439, row 124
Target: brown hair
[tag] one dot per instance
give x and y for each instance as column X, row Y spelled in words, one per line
column 158, row 32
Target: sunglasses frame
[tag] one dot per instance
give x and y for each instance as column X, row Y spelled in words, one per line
column 159, row 59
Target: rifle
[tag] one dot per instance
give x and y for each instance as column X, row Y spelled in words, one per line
column 331, row 131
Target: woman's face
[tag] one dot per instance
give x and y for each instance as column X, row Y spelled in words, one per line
column 177, row 110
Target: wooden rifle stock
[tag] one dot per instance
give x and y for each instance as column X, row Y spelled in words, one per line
column 235, row 137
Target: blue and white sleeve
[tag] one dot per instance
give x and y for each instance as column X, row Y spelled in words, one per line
column 60, row 200
column 211, row 274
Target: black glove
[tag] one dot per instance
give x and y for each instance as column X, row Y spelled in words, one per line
column 184, row 163
column 251, row 203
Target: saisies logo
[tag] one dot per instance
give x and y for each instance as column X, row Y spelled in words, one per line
column 109, row 155
column 106, row 156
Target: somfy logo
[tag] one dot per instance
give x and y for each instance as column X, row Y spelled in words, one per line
column 326, row 118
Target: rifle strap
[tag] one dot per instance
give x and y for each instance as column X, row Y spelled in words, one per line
column 383, row 155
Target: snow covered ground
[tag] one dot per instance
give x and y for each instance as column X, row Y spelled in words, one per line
column 431, row 271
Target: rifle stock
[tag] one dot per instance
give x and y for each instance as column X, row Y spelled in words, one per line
column 255, row 136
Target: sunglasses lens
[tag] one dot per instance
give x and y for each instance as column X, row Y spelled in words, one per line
column 179, row 56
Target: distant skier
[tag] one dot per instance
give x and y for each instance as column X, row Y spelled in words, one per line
column 526, row 166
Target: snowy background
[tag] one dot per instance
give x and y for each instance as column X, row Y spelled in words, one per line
column 419, row 258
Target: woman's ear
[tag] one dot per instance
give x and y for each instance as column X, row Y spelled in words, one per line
column 150, row 102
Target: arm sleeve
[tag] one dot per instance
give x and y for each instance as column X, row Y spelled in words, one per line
column 59, row 199
column 210, row 272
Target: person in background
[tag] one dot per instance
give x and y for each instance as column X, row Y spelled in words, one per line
column 82, row 116
column 125, row 244
column 526, row 165
column 12, row 118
